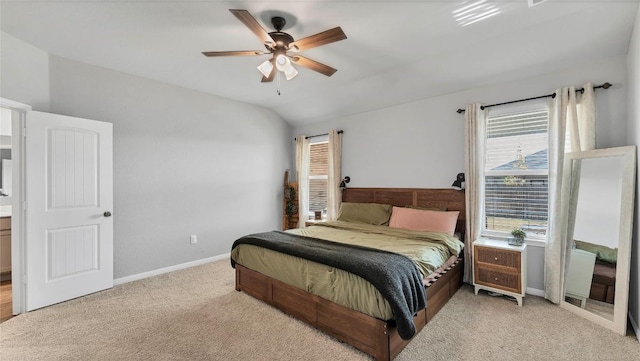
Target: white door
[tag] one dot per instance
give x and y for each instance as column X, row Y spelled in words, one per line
column 69, row 199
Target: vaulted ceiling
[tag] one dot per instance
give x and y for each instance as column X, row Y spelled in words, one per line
column 395, row 51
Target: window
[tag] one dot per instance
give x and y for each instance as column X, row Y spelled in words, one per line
column 318, row 177
column 516, row 171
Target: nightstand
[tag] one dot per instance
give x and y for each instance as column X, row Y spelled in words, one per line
column 311, row 222
column 499, row 267
column 578, row 276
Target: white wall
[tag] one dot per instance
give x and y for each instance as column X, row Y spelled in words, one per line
column 184, row 162
column 24, row 73
column 420, row 144
column 633, row 67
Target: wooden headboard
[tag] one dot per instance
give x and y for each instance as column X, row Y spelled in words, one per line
column 452, row 199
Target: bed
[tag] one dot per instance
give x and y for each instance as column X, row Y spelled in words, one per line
column 369, row 328
column 603, row 284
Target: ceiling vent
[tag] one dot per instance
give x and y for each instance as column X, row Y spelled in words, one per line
column 536, row 2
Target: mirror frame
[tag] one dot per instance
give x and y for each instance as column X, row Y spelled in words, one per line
column 628, row 163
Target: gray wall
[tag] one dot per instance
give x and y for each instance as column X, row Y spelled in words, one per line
column 420, row 144
column 633, row 63
column 184, row 162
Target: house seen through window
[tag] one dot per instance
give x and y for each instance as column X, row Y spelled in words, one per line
column 318, row 178
column 516, row 171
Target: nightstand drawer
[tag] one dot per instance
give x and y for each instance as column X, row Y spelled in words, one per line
column 498, row 257
column 500, row 267
column 503, row 280
column 5, row 223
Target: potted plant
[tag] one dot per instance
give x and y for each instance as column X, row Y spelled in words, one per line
column 291, row 206
column 517, row 237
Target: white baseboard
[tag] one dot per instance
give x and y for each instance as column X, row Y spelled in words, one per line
column 140, row 276
column 634, row 324
column 535, row 292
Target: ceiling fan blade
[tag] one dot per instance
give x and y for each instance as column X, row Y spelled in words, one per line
column 249, row 21
column 233, row 53
column 313, row 65
column 325, row 37
column 272, row 75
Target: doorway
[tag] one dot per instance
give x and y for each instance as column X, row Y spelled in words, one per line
column 12, row 117
column 6, row 200
column 83, row 163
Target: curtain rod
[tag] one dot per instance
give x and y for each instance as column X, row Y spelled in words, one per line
column 319, row 135
column 603, row 86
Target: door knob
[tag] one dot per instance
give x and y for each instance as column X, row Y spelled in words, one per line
column 107, row 214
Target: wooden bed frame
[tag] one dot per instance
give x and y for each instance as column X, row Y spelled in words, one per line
column 375, row 337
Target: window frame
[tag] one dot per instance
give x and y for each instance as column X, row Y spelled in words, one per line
column 529, row 106
column 309, row 212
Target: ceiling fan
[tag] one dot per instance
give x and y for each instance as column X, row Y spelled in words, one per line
column 279, row 44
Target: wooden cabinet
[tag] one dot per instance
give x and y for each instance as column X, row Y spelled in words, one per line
column 5, row 244
column 499, row 267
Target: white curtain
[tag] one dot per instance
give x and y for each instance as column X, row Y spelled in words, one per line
column 334, row 193
column 574, row 113
column 302, row 175
column 475, row 131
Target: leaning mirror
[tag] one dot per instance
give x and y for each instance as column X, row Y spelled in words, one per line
column 598, row 192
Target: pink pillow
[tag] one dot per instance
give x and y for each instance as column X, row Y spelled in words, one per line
column 423, row 220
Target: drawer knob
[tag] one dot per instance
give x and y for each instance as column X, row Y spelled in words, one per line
column 495, row 258
column 496, row 278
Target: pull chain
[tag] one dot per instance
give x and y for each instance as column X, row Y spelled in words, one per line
column 277, row 81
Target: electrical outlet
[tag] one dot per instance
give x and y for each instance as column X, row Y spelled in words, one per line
column 193, row 239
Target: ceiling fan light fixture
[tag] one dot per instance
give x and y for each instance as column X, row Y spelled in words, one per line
column 282, row 62
column 290, row 72
column 266, row 68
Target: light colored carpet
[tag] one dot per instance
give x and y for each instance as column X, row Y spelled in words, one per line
column 196, row 314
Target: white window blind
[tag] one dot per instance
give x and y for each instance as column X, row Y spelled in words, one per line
column 516, row 172
column 318, row 177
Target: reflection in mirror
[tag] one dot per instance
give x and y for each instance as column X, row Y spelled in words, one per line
column 591, row 264
column 600, row 185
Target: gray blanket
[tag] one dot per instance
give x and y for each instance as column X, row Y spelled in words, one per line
column 395, row 276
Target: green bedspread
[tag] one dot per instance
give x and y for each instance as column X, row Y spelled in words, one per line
column 427, row 250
